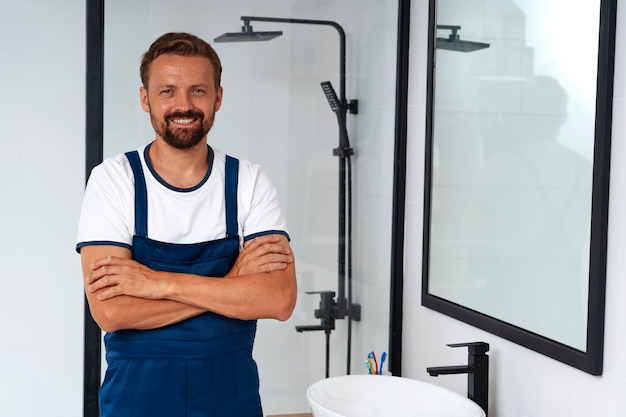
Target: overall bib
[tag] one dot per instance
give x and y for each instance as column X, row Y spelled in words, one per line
column 200, row 367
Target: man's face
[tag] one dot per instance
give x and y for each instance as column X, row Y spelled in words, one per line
column 181, row 99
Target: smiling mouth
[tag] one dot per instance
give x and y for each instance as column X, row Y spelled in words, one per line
column 184, row 119
column 183, row 122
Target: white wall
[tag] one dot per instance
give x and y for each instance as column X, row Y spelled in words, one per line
column 523, row 383
column 42, row 69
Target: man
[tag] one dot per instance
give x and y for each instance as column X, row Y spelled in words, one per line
column 158, row 228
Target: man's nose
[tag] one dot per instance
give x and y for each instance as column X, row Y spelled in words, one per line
column 184, row 102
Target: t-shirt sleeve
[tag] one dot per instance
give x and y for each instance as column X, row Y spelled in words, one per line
column 107, row 214
column 263, row 213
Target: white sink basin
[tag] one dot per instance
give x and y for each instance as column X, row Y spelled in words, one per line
column 386, row 396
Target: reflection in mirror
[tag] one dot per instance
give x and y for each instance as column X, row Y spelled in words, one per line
column 513, row 213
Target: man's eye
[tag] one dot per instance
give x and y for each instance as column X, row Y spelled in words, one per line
column 166, row 91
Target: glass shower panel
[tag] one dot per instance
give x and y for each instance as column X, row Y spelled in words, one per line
column 274, row 113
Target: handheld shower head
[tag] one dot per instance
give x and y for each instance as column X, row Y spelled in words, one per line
column 331, row 96
column 247, row 34
column 340, row 111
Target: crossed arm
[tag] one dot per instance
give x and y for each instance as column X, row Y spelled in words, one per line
column 124, row 294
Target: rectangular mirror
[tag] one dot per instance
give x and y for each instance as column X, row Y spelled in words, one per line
column 517, row 170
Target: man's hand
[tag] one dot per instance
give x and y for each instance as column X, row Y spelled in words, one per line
column 125, row 312
column 262, row 254
column 112, row 276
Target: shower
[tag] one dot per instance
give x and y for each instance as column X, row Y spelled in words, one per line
column 454, row 42
column 247, row 34
column 341, row 307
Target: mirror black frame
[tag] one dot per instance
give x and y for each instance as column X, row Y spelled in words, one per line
column 591, row 359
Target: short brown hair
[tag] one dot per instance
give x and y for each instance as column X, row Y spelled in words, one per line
column 184, row 44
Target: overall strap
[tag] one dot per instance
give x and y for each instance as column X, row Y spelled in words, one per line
column 231, row 179
column 141, row 195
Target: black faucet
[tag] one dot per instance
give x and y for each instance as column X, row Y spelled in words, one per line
column 477, row 370
column 327, row 313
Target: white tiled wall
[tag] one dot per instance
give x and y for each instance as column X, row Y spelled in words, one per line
column 42, row 68
column 523, row 383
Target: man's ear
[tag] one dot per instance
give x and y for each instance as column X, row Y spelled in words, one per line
column 143, row 97
column 218, row 98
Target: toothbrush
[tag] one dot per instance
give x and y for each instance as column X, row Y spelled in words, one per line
column 372, row 356
column 382, row 361
column 368, row 365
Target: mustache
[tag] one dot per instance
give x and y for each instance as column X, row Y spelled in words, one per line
column 190, row 114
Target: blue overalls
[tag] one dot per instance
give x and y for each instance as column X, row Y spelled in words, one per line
column 200, row 367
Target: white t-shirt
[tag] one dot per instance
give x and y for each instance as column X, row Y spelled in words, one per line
column 175, row 215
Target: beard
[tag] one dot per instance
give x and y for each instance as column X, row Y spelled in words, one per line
column 183, row 138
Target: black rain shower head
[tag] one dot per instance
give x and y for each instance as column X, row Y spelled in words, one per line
column 459, row 45
column 247, row 35
column 454, row 43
